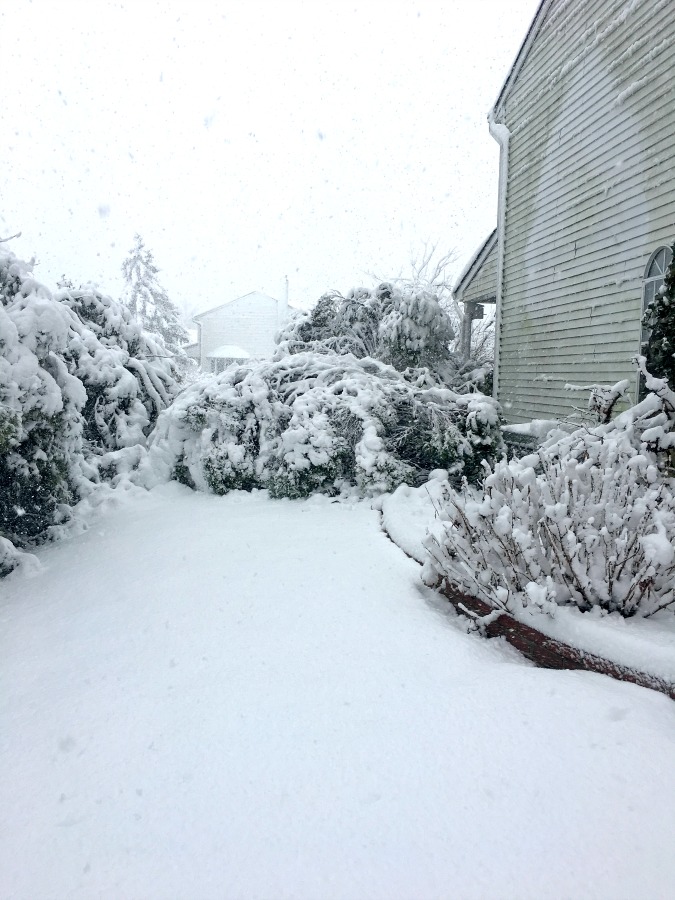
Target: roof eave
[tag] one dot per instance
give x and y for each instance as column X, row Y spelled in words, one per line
column 495, row 112
column 474, row 264
column 207, row 312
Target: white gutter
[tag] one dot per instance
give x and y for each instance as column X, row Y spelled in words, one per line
column 502, row 135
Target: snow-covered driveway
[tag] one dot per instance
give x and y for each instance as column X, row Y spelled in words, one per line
column 233, row 697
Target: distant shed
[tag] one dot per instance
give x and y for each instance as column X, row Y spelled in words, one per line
column 239, row 329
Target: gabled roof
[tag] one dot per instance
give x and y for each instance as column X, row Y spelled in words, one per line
column 230, row 302
column 472, row 268
column 533, row 30
column 229, row 351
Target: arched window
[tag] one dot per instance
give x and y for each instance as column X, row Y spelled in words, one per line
column 654, row 275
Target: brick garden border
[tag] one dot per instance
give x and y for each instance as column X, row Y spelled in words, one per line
column 543, row 651
column 547, row 652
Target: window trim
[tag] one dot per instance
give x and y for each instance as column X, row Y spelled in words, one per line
column 647, row 281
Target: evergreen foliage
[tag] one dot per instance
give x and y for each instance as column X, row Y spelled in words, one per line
column 321, row 422
column 660, row 320
column 78, row 377
column 409, row 331
column 149, row 302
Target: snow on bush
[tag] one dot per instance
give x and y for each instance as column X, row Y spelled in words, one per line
column 407, row 330
column 320, row 422
column 77, row 377
column 588, row 520
column 128, row 376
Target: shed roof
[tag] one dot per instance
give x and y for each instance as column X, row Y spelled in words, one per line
column 208, row 312
column 229, row 351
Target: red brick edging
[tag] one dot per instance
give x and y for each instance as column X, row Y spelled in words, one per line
column 543, row 651
column 546, row 652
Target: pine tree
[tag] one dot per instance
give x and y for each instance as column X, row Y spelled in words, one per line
column 660, row 319
column 148, row 301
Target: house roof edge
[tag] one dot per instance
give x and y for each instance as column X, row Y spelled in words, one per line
column 474, row 264
column 532, row 32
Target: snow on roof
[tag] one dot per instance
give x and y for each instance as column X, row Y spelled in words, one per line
column 213, row 309
column 474, row 264
column 229, row 351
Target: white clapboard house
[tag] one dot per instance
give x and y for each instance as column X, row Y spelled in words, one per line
column 240, row 330
column 586, row 127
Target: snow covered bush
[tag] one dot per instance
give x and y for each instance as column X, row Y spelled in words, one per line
column 128, row 375
column 432, row 270
column 320, row 422
column 588, row 520
column 77, row 377
column 409, row 331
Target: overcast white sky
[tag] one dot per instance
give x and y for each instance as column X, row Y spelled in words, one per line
column 250, row 140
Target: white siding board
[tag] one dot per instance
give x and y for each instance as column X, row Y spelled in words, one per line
column 606, row 92
column 650, row 120
column 557, row 53
column 602, row 258
column 578, row 229
column 484, row 283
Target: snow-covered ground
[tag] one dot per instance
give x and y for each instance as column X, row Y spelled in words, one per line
column 232, row 697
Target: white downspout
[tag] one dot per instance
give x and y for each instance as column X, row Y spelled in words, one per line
column 501, row 134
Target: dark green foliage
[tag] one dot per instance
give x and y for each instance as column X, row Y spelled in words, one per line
column 35, row 482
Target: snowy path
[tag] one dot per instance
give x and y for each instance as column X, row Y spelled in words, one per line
column 230, row 697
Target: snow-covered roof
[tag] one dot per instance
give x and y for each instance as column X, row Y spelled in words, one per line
column 474, row 264
column 520, row 56
column 208, row 312
column 229, row 351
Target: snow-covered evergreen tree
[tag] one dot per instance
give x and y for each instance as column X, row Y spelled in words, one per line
column 408, row 330
column 78, row 377
column 432, row 271
column 660, row 320
column 148, row 301
column 323, row 422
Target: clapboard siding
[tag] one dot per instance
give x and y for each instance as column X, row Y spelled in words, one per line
column 483, row 285
column 591, row 25
column 590, row 194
